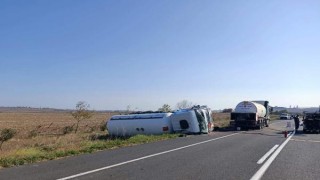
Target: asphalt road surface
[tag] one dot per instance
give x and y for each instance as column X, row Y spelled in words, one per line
column 258, row 154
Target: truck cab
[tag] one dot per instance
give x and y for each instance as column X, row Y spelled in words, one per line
column 197, row 119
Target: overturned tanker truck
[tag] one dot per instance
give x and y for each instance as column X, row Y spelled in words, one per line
column 197, row 119
column 142, row 123
column 251, row 115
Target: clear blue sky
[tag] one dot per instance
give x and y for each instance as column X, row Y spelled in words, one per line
column 145, row 53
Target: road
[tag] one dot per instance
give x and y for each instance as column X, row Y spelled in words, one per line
column 219, row 155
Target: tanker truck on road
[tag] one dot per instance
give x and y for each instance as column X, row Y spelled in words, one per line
column 251, row 115
column 311, row 122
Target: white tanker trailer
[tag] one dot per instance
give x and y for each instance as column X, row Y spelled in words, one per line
column 251, row 114
column 132, row 124
column 197, row 119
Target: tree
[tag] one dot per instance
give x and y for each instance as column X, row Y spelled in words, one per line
column 5, row 135
column 165, row 108
column 227, row 110
column 184, row 104
column 81, row 113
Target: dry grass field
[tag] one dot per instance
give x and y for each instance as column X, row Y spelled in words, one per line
column 221, row 120
column 41, row 130
column 48, row 123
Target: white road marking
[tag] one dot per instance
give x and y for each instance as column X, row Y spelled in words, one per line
column 145, row 157
column 301, row 140
column 267, row 154
column 258, row 175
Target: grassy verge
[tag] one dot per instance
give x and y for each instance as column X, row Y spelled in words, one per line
column 221, row 120
column 93, row 142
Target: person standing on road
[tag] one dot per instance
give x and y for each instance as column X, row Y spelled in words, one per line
column 296, row 122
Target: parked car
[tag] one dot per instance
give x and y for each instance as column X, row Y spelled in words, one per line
column 285, row 116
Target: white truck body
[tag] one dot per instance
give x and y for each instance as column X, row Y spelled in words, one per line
column 185, row 121
column 195, row 120
column 133, row 124
column 251, row 107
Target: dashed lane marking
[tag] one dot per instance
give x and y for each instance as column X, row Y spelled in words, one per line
column 267, row 154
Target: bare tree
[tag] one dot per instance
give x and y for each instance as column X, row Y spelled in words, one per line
column 165, row 108
column 184, row 104
column 81, row 113
column 128, row 108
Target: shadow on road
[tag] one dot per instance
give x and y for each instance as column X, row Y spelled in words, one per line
column 263, row 134
column 251, row 131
